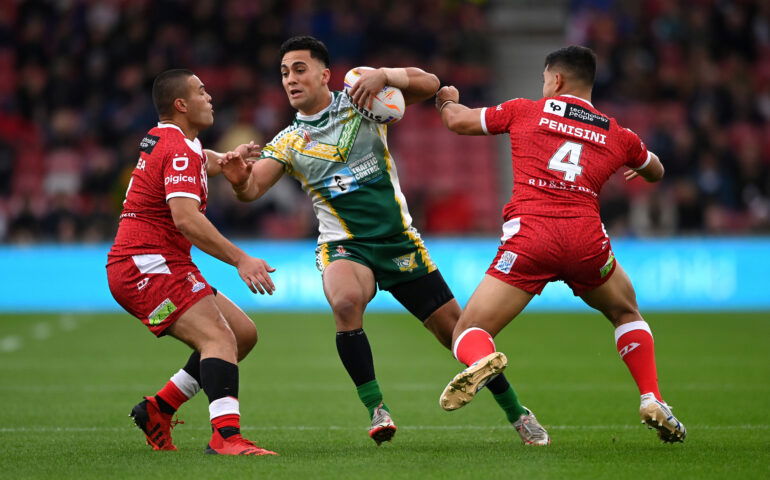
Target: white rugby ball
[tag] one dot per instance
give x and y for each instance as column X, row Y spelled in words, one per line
column 387, row 107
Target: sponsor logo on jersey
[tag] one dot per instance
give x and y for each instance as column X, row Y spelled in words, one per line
column 342, row 181
column 141, row 164
column 406, row 263
column 196, row 285
column 576, row 112
column 142, row 283
column 607, row 266
column 366, row 169
column 175, row 179
column 180, row 163
column 506, row 261
column 148, row 143
column 161, row 312
column 628, row 349
column 341, row 252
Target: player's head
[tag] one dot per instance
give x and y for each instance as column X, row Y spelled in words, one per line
column 180, row 92
column 569, row 69
column 305, row 73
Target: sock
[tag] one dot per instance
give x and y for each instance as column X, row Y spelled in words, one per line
column 473, row 344
column 506, row 397
column 180, row 388
column 371, row 396
column 637, row 349
column 220, row 382
column 193, row 366
column 356, row 355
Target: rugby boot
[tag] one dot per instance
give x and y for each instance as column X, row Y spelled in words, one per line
column 155, row 424
column 234, row 444
column 383, row 428
column 530, row 430
column 656, row 414
column 461, row 390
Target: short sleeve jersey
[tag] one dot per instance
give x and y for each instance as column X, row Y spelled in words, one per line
column 169, row 166
column 563, row 151
column 343, row 163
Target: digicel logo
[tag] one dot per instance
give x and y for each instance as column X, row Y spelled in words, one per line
column 174, row 179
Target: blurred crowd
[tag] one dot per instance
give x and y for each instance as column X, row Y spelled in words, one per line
column 76, row 76
column 692, row 78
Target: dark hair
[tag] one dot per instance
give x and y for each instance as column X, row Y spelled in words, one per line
column 578, row 62
column 305, row 42
column 167, row 87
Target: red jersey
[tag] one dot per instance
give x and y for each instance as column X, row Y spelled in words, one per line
column 169, row 166
column 563, row 151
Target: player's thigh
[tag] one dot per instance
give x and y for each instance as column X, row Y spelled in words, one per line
column 242, row 326
column 492, row 306
column 204, row 328
column 349, row 286
column 615, row 298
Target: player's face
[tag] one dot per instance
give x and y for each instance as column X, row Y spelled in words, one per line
column 200, row 112
column 549, row 83
column 305, row 81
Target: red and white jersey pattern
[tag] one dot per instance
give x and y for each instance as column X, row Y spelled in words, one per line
column 169, row 166
column 563, row 151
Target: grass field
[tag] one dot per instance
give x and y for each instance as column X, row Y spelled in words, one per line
column 67, row 383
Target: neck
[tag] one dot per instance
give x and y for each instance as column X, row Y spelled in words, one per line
column 320, row 105
column 189, row 131
column 584, row 94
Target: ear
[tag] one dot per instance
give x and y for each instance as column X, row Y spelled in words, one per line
column 326, row 75
column 559, row 81
column 180, row 105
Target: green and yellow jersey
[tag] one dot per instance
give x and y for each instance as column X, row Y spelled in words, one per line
column 343, row 163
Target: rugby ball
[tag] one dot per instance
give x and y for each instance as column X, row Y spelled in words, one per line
column 387, row 107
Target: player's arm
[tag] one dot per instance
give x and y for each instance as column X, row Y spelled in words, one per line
column 456, row 116
column 213, row 168
column 250, row 179
column 415, row 83
column 652, row 170
column 203, row 234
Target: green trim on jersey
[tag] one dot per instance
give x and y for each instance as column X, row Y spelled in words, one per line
column 343, row 163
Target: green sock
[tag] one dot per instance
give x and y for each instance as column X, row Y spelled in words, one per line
column 371, row 396
column 509, row 402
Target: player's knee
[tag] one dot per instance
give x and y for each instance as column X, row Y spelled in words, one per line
column 347, row 309
column 247, row 339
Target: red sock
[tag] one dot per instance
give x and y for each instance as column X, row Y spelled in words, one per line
column 473, row 344
column 171, row 394
column 637, row 349
column 229, row 420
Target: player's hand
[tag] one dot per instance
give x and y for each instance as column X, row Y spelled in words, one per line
column 256, row 273
column 447, row 94
column 235, row 169
column 630, row 174
column 369, row 84
column 249, row 150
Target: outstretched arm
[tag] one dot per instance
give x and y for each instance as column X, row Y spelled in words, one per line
column 456, row 116
column 204, row 235
column 416, row 84
column 250, row 179
column 213, row 168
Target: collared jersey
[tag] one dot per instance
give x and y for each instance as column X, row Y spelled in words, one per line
column 169, row 165
column 343, row 163
column 563, row 151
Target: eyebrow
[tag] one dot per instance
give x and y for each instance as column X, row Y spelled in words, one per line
column 298, row 62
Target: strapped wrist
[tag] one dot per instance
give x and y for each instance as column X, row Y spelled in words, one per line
column 396, row 77
column 446, row 102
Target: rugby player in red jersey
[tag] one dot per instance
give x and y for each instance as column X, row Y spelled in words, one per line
column 152, row 276
column 563, row 151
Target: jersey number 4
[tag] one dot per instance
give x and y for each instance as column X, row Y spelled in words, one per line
column 567, row 160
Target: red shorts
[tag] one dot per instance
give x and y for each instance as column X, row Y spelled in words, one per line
column 154, row 289
column 538, row 250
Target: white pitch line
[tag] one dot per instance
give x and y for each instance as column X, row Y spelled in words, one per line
column 401, row 427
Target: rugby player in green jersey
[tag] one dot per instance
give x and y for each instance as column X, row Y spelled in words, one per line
column 366, row 239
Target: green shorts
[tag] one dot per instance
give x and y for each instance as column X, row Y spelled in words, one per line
column 397, row 259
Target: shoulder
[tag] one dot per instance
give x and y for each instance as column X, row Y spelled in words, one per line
column 285, row 134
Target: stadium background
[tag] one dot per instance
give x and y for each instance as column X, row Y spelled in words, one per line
column 691, row 77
